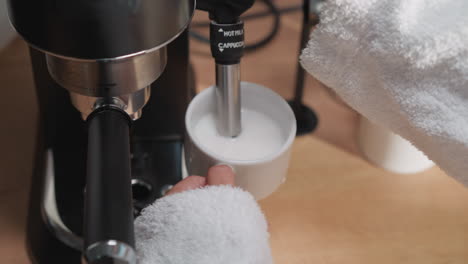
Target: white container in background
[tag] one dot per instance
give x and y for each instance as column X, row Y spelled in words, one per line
column 259, row 176
column 390, row 151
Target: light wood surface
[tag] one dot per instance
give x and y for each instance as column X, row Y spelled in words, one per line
column 17, row 138
column 334, row 208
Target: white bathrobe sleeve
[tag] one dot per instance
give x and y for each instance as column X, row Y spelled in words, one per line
column 211, row 225
column 404, row 65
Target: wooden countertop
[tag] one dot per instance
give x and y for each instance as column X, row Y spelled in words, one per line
column 334, row 208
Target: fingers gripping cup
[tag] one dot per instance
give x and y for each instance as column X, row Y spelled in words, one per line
column 259, row 155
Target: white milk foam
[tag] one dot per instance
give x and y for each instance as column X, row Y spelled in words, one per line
column 260, row 137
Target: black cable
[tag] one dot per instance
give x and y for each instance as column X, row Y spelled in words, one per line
column 274, row 30
column 199, row 37
column 261, row 14
column 272, row 10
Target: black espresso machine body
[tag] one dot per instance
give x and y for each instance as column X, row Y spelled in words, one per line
column 156, row 139
column 53, row 28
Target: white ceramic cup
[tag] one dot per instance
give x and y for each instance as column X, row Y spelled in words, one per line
column 260, row 177
column 389, row 150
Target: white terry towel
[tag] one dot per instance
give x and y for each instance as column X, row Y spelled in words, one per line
column 212, row 225
column 404, row 65
column 401, row 63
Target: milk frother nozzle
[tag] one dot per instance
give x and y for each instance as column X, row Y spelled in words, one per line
column 227, row 45
column 227, row 48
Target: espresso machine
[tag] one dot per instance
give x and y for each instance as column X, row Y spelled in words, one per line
column 96, row 65
column 113, row 82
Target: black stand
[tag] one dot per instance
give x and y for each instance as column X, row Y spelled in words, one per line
column 306, row 118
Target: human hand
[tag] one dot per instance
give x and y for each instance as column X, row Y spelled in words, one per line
column 217, row 175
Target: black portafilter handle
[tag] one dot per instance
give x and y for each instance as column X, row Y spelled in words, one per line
column 108, row 221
